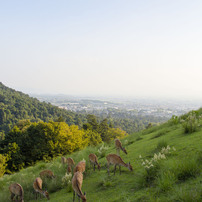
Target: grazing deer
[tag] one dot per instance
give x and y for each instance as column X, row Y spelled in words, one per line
column 77, row 181
column 94, row 161
column 16, row 190
column 46, row 173
column 70, row 164
column 116, row 160
column 118, row 146
column 63, row 160
column 38, row 188
column 81, row 167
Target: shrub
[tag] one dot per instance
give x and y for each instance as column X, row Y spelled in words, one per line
column 186, row 194
column 102, row 151
column 139, row 138
column 162, row 143
column 187, row 168
column 66, row 181
column 166, row 181
column 191, row 122
column 152, row 166
column 160, row 133
column 2, row 165
column 106, row 182
column 174, row 120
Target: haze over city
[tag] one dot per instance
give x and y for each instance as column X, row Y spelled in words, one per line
column 102, row 48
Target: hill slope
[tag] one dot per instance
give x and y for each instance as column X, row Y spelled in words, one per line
column 177, row 177
column 15, row 106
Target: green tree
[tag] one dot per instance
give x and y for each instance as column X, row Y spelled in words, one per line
column 2, row 165
column 103, row 129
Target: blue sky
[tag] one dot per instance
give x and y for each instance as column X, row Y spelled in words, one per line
column 117, row 48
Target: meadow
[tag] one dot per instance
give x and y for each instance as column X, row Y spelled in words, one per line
column 166, row 160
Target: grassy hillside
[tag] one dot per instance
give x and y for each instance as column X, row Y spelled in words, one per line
column 176, row 178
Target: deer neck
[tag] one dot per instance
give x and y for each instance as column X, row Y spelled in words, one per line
column 123, row 164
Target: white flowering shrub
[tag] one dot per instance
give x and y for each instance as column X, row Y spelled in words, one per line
column 102, row 151
column 66, row 179
column 174, row 120
column 191, row 122
column 152, row 166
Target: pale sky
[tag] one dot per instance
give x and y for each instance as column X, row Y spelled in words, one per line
column 107, row 47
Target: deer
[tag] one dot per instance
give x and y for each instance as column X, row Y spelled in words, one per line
column 118, row 146
column 47, row 174
column 77, row 181
column 70, row 164
column 16, row 191
column 93, row 160
column 63, row 160
column 38, row 188
column 81, row 167
column 117, row 160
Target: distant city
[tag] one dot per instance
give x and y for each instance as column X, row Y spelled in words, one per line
column 143, row 107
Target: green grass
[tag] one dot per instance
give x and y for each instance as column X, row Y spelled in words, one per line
column 176, row 178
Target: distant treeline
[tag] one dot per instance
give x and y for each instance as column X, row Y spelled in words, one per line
column 128, row 121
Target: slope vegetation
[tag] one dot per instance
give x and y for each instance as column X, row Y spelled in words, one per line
column 15, row 106
column 166, row 160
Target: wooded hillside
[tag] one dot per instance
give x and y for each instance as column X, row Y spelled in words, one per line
column 15, row 106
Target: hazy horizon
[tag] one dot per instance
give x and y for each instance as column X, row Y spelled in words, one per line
column 107, row 48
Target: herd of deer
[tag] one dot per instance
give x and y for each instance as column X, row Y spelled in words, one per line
column 77, row 180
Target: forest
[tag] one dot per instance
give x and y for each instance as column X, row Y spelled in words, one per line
column 31, row 130
column 29, row 142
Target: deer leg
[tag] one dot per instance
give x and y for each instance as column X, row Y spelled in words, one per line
column 114, row 169
column 108, row 168
column 120, row 169
column 94, row 167
column 73, row 196
column 12, row 196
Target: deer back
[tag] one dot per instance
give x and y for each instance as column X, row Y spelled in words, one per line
column 38, row 184
column 92, row 158
column 115, row 159
column 77, row 182
column 17, row 189
column 81, row 166
column 46, row 173
column 70, row 161
column 63, row 160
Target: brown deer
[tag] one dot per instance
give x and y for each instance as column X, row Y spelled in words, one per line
column 81, row 167
column 16, row 190
column 70, row 164
column 116, row 160
column 118, row 146
column 46, row 174
column 94, row 161
column 63, row 160
column 77, row 181
column 38, row 188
